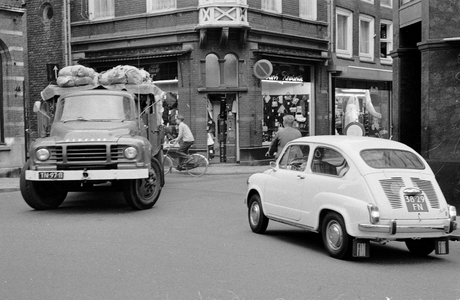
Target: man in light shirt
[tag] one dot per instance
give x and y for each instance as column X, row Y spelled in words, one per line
column 185, row 139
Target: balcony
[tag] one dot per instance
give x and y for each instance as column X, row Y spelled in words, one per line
column 223, row 15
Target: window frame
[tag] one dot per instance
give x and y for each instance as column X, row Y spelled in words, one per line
column 368, row 1
column 92, row 10
column 278, row 9
column 388, row 40
column 364, row 55
column 314, row 13
column 149, row 6
column 348, row 52
column 386, row 5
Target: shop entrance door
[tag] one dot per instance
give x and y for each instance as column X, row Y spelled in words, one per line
column 222, row 124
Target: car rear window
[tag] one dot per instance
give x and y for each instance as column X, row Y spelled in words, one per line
column 391, row 158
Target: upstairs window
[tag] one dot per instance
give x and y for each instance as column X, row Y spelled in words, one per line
column 386, row 40
column 154, row 6
column 212, row 71
column 366, row 37
column 101, row 9
column 307, row 9
column 221, row 72
column 274, row 6
column 386, row 3
column 344, row 33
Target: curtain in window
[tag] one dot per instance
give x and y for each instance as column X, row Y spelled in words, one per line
column 162, row 4
column 103, row 9
column 212, row 71
column 364, row 29
column 307, row 9
column 342, row 30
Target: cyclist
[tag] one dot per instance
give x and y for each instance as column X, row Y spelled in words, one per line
column 185, row 139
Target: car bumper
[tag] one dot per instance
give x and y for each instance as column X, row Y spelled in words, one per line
column 394, row 228
column 86, row 175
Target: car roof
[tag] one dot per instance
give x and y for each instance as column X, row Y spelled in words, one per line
column 354, row 143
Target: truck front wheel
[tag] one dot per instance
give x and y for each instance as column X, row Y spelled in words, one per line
column 40, row 195
column 143, row 193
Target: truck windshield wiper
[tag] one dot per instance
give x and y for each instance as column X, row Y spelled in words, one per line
column 76, row 119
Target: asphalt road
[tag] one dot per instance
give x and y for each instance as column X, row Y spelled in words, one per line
column 195, row 243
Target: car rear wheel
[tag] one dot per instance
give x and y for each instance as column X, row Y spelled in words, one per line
column 422, row 247
column 257, row 219
column 40, row 195
column 335, row 237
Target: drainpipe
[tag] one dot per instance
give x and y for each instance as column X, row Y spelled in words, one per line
column 67, row 45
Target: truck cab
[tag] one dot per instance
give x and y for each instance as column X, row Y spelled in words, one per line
column 96, row 137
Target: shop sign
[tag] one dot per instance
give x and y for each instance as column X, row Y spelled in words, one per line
column 285, row 77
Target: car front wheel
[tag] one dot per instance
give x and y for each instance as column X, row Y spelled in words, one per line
column 257, row 219
column 335, row 237
column 422, row 247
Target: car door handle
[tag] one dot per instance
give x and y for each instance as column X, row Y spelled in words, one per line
column 300, row 176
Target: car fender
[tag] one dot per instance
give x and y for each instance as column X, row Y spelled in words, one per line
column 256, row 184
column 354, row 211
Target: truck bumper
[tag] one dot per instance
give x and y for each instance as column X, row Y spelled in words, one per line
column 86, row 175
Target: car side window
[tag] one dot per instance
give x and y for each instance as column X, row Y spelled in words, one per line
column 295, row 158
column 328, row 161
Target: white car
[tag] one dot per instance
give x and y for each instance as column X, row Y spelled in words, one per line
column 353, row 190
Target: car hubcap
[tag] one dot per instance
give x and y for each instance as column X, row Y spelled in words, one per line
column 255, row 213
column 334, row 235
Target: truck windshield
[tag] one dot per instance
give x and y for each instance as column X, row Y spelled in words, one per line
column 95, row 108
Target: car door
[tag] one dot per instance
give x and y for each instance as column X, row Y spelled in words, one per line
column 284, row 187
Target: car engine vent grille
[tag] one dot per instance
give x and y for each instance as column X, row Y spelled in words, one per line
column 392, row 188
column 427, row 187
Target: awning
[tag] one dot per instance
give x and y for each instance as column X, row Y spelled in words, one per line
column 304, row 57
column 133, row 57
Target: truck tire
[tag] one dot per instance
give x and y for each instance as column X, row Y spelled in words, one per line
column 143, row 193
column 40, row 195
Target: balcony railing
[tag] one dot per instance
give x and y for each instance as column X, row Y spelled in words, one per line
column 223, row 13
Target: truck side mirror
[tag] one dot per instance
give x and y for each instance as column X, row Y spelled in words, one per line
column 37, row 109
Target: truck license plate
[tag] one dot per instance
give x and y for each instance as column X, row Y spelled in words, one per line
column 50, row 175
column 416, row 203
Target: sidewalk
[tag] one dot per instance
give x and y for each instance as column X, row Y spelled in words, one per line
column 11, row 184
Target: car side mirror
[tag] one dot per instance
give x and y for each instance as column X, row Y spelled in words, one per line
column 273, row 165
column 37, row 109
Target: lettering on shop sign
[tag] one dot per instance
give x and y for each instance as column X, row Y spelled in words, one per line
column 285, row 77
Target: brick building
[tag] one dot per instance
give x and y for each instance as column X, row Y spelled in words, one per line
column 12, row 46
column 361, row 67
column 205, row 53
column 427, row 85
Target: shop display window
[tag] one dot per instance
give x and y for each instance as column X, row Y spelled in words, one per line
column 362, row 112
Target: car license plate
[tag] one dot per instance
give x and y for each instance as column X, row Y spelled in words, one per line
column 416, row 203
column 50, row 175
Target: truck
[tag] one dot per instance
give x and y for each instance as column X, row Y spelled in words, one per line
column 93, row 137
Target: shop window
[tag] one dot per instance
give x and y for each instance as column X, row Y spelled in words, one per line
column 101, row 9
column 386, row 41
column 386, row 3
column 287, row 91
column 366, row 37
column 295, row 158
column 362, row 111
column 344, row 33
column 212, row 71
column 274, row 6
column 307, row 9
column 154, row 6
column 231, row 70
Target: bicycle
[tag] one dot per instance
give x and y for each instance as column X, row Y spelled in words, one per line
column 196, row 165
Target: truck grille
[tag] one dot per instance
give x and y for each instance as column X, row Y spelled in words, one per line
column 87, row 154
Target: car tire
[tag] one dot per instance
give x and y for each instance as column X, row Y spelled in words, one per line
column 257, row 219
column 422, row 247
column 40, row 195
column 143, row 193
column 335, row 237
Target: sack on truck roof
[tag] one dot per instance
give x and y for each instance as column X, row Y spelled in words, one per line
column 76, row 76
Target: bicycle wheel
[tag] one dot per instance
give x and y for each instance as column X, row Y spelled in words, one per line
column 167, row 164
column 197, row 166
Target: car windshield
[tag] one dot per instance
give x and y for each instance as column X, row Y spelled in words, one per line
column 94, row 108
column 391, row 159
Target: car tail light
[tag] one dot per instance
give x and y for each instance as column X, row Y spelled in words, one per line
column 374, row 213
column 452, row 213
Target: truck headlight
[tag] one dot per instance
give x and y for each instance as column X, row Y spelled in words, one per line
column 42, row 154
column 130, row 152
column 374, row 213
column 452, row 213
